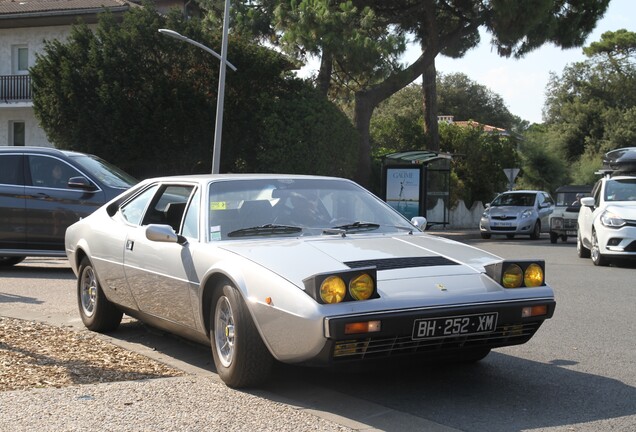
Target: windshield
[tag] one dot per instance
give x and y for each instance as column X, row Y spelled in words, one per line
column 620, row 190
column 106, row 173
column 515, row 199
column 270, row 207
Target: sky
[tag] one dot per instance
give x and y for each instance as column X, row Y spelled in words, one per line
column 522, row 83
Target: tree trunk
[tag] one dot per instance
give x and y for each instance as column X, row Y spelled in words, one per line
column 323, row 81
column 429, row 90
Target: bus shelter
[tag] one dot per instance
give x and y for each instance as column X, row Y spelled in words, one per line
column 417, row 183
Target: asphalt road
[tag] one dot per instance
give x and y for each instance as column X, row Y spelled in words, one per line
column 577, row 374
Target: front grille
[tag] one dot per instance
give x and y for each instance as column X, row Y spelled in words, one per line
column 631, row 247
column 511, row 228
column 504, row 218
column 569, row 224
column 368, row 348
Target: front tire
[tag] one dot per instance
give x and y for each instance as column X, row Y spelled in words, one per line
column 553, row 237
column 240, row 356
column 536, row 231
column 597, row 257
column 581, row 250
column 97, row 312
column 485, row 236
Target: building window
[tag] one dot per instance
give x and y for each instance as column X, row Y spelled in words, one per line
column 20, row 59
column 17, row 136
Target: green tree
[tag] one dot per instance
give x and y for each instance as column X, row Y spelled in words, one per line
column 478, row 162
column 590, row 107
column 147, row 102
column 438, row 26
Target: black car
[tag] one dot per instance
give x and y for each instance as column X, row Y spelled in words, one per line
column 43, row 191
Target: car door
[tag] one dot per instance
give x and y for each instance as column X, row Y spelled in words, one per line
column 546, row 207
column 158, row 273
column 51, row 206
column 12, row 202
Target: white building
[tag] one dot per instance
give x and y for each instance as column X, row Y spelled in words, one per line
column 25, row 25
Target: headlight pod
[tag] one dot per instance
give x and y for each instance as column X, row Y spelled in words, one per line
column 354, row 285
column 612, row 220
column 556, row 223
column 526, row 214
column 518, row 274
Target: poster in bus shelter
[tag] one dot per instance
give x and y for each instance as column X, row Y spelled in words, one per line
column 403, row 190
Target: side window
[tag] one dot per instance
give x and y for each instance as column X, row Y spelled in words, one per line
column 133, row 210
column 11, row 170
column 191, row 222
column 50, row 172
column 549, row 199
column 168, row 206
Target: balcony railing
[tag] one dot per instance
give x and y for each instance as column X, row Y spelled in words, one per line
column 15, row 88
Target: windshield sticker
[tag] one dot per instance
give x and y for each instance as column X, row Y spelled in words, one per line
column 215, row 232
column 218, row 205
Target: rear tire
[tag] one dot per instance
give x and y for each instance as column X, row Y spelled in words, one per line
column 581, row 250
column 240, row 356
column 97, row 312
column 10, row 261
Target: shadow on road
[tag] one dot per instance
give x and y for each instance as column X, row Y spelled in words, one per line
column 501, row 393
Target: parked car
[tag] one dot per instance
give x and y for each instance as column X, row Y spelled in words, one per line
column 523, row 212
column 43, row 191
column 298, row 269
column 607, row 220
column 563, row 219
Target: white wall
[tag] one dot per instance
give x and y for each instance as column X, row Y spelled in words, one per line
column 34, row 38
column 460, row 216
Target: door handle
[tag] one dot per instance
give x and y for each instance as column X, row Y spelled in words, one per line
column 130, row 244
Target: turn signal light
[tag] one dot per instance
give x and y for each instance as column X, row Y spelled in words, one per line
column 363, row 327
column 531, row 311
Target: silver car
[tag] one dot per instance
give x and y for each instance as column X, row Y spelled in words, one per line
column 523, row 212
column 296, row 269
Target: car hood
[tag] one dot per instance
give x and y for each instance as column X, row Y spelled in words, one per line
column 394, row 256
column 625, row 210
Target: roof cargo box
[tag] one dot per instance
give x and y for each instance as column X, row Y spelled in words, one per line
column 621, row 160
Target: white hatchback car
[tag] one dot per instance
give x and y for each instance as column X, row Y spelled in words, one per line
column 607, row 221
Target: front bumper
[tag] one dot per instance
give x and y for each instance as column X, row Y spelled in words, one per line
column 512, row 226
column 617, row 242
column 396, row 337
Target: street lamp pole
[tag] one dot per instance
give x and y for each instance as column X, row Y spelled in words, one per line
column 218, row 127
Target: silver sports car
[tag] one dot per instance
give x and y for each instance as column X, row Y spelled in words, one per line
column 298, row 269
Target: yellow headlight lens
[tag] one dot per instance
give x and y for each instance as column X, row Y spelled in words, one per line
column 361, row 287
column 533, row 276
column 333, row 290
column 512, row 276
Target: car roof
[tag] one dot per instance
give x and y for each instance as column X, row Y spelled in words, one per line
column 205, row 178
column 39, row 150
column 522, row 191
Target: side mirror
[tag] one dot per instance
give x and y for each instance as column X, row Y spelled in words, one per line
column 163, row 234
column 587, row 201
column 419, row 222
column 81, row 183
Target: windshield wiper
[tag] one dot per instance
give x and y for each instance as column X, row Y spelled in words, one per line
column 355, row 226
column 263, row 230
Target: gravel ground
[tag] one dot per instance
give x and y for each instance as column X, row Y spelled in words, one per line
column 59, row 379
column 169, row 404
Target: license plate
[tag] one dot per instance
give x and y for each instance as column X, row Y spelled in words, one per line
column 460, row 325
column 502, row 224
column 570, row 233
